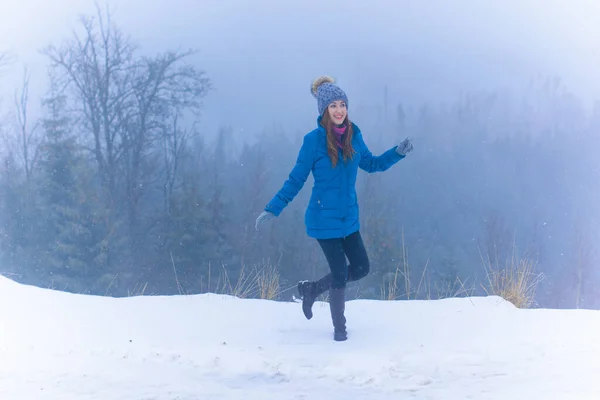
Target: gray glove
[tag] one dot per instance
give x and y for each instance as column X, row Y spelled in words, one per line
column 404, row 147
column 263, row 217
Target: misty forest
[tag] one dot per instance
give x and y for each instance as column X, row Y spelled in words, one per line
column 115, row 190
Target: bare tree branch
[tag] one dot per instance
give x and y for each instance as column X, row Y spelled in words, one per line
column 6, row 59
column 27, row 134
column 99, row 66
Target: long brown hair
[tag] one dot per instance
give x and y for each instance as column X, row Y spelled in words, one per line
column 332, row 146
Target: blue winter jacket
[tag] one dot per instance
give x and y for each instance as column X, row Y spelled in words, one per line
column 332, row 211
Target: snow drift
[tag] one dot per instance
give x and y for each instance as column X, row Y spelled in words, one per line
column 56, row 345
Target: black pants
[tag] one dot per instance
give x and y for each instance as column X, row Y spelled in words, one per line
column 336, row 251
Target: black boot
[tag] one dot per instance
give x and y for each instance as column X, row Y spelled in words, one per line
column 309, row 291
column 337, row 304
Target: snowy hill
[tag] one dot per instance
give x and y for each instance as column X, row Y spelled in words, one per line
column 56, row 345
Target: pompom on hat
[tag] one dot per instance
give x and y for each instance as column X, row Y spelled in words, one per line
column 326, row 92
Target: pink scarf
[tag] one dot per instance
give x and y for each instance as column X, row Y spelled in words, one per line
column 338, row 132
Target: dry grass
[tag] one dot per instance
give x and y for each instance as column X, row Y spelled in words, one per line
column 391, row 285
column 517, row 282
column 390, row 288
column 457, row 288
column 244, row 287
column 267, row 280
column 179, row 287
column 401, row 278
column 260, row 283
column 139, row 289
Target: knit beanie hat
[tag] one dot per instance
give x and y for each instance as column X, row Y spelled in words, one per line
column 326, row 92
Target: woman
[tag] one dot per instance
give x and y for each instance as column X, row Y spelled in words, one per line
column 333, row 152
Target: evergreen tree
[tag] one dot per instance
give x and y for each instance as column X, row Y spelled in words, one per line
column 63, row 208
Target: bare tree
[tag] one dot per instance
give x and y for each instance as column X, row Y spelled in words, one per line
column 162, row 91
column 175, row 140
column 29, row 140
column 6, row 58
column 3, row 59
column 126, row 104
column 99, row 67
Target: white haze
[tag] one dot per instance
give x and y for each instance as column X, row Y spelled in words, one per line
column 261, row 55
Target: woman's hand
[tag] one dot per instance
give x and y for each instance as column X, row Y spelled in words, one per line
column 404, row 147
column 263, row 217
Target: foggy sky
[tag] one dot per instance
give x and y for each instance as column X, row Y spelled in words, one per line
column 261, row 55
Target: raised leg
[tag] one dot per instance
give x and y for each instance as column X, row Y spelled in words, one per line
column 354, row 248
column 309, row 291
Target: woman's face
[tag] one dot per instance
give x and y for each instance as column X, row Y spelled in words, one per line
column 337, row 111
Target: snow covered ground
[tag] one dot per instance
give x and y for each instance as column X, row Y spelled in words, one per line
column 56, row 345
